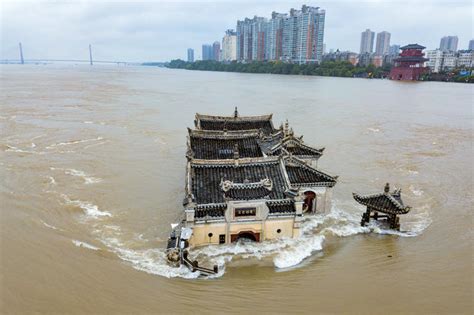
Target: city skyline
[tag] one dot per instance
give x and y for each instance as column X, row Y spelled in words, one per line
column 150, row 30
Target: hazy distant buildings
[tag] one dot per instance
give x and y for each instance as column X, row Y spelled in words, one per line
column 229, row 46
column 471, row 44
column 449, row 43
column 383, row 43
column 207, row 52
column 448, row 60
column 465, row 58
column 367, row 41
column 216, row 51
column 394, row 50
column 295, row 37
column 190, row 55
column 435, row 62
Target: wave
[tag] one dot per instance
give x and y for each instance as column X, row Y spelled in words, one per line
column 52, row 227
column 11, row 148
column 284, row 253
column 373, row 129
column 91, row 210
column 415, row 191
column 84, row 245
column 88, row 179
column 73, row 142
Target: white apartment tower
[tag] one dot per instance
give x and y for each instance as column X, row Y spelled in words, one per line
column 383, row 43
column 229, row 46
column 367, row 41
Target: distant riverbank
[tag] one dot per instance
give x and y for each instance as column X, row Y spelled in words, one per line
column 326, row 68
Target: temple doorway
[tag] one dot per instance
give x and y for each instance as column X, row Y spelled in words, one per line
column 309, row 203
column 245, row 235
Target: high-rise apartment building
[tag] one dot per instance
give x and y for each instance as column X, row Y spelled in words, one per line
column 245, row 39
column 297, row 37
column 190, row 55
column 216, row 51
column 383, row 43
column 449, row 43
column 309, row 42
column 229, row 46
column 471, row 44
column 290, row 35
column 259, row 27
column 207, row 52
column 274, row 36
column 367, row 41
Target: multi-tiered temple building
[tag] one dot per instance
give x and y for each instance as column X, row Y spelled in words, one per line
column 247, row 179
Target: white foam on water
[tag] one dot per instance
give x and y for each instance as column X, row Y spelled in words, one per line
column 11, row 148
column 84, row 245
column 33, row 145
column 52, row 181
column 88, row 179
column 373, row 129
column 96, row 144
column 416, row 192
column 88, row 122
column 284, row 253
column 73, row 142
column 52, row 227
column 91, row 210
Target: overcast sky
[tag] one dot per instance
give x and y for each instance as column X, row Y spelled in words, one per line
column 163, row 30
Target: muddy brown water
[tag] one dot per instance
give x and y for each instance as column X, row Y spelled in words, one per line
column 92, row 167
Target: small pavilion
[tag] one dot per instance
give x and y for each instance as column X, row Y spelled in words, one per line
column 388, row 203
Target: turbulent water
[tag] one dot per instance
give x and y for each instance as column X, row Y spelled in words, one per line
column 92, row 166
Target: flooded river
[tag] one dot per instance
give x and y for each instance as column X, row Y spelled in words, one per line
column 92, row 162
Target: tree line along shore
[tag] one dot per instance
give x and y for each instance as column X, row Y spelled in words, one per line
column 325, row 68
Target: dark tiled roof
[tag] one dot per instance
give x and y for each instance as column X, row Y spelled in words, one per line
column 207, row 122
column 207, row 177
column 412, row 46
column 236, row 125
column 385, row 202
column 297, row 148
column 281, row 207
column 247, row 191
column 213, row 147
column 301, row 174
column 210, row 211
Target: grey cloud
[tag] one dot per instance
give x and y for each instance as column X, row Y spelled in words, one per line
column 162, row 30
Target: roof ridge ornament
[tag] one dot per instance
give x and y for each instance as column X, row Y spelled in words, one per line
column 387, row 188
column 236, row 112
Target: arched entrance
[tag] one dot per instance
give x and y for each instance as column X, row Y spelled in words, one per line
column 309, row 203
column 245, row 235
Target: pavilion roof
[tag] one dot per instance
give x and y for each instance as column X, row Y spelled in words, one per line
column 386, row 202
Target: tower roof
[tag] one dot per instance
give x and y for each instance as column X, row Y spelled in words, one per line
column 412, row 46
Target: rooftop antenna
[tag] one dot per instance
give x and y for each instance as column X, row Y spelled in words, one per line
column 90, row 54
column 21, row 54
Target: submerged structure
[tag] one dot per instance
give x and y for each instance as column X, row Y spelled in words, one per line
column 389, row 203
column 246, row 179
